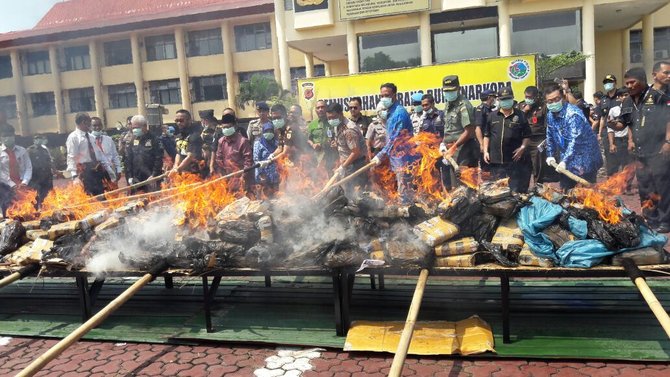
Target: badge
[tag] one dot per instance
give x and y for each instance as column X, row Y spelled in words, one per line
column 148, row 143
column 288, row 135
column 515, row 119
column 136, row 142
column 329, row 132
column 533, row 120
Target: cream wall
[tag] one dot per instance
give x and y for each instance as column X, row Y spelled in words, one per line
column 608, row 56
column 7, row 87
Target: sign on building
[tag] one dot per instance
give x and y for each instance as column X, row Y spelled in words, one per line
column 357, row 9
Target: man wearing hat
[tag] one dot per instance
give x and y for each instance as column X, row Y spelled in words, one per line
column 506, row 140
column 15, row 167
column 42, row 180
column 459, row 133
column 255, row 128
column 608, row 101
column 535, row 112
column 417, row 112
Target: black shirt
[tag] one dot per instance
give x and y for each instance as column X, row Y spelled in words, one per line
column 41, row 162
column 505, row 135
column 481, row 113
column 363, row 122
column 145, row 157
column 647, row 120
column 537, row 120
column 190, row 141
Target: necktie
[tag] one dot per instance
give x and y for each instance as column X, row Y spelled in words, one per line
column 91, row 152
column 98, row 141
column 13, row 166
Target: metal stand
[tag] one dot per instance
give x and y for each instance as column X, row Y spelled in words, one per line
column 504, row 298
column 169, row 282
column 88, row 295
column 209, row 292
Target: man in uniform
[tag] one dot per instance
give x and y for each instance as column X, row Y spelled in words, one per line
column 506, row 139
column 255, row 128
column 145, row 157
column 350, row 145
column 376, row 136
column 234, row 153
column 42, row 180
column 432, row 119
column 459, row 134
column 107, row 146
column 536, row 115
column 209, row 125
column 608, row 101
column 647, row 113
column 125, row 142
column 189, row 145
column 363, row 121
column 290, row 139
column 417, row 112
column 15, row 167
column 661, row 73
column 319, row 135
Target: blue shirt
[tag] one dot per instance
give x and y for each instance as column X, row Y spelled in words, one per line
column 398, row 130
column 571, row 135
column 269, row 172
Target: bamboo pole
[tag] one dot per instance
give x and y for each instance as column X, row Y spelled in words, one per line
column 407, row 332
column 18, row 275
column 354, row 174
column 638, row 279
column 571, row 175
column 126, row 188
column 94, row 321
column 325, row 188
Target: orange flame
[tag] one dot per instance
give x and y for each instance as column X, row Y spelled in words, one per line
column 651, row 202
column 471, row 177
column 200, row 205
column 426, row 175
column 23, row 207
column 74, row 199
column 600, row 197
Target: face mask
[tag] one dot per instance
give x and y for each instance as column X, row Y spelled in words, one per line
column 44, row 142
column 228, row 131
column 9, row 141
column 137, row 132
column 555, row 107
column 37, row 142
column 608, row 86
column 450, row 95
column 96, row 133
column 278, row 123
column 530, row 101
column 506, row 103
column 418, row 109
column 429, row 111
column 269, row 136
column 386, row 102
column 383, row 114
column 334, row 122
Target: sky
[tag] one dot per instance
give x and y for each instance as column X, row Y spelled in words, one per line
column 23, row 14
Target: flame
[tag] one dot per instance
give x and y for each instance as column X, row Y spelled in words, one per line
column 202, row 204
column 384, row 182
column 471, row 177
column 73, row 199
column 24, row 205
column 601, row 196
column 426, row 176
column 651, row 202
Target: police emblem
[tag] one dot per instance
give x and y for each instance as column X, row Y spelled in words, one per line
column 308, row 90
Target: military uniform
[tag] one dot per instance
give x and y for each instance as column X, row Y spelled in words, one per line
column 292, row 138
column 458, row 115
column 537, row 121
column 363, row 122
column 648, row 121
column 125, row 143
column 42, row 180
column 319, row 132
column 433, row 123
column 145, row 159
column 190, row 141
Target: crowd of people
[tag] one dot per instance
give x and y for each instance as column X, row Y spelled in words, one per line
column 548, row 132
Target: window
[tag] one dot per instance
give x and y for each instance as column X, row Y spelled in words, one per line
column 118, row 52
column 81, row 100
column 36, row 63
column 122, row 96
column 253, row 37
column 77, row 58
column 205, row 42
column 547, row 33
column 472, row 44
column 8, row 105
column 661, row 45
column 301, row 73
column 395, row 49
column 165, row 92
column 209, row 88
column 43, row 103
column 245, row 76
column 5, row 67
column 161, row 47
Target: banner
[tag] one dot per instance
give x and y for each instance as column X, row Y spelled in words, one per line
column 357, row 9
column 475, row 76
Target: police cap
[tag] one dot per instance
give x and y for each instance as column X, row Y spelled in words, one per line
column 486, row 94
column 505, row 93
column 416, row 97
column 609, row 78
column 262, row 106
column 450, row 82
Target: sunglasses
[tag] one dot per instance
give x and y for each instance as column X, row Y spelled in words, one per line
column 276, row 118
column 353, row 107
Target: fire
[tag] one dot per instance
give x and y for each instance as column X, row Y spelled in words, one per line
column 74, row 199
column 24, row 204
column 651, row 202
column 471, row 177
column 426, row 176
column 202, row 203
column 384, row 181
column 601, row 196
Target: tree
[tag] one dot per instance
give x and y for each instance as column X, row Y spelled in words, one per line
column 380, row 61
column 546, row 65
column 263, row 88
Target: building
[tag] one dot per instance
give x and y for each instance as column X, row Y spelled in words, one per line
column 111, row 58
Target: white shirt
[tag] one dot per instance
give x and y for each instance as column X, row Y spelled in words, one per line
column 78, row 153
column 611, row 117
column 109, row 149
column 23, row 161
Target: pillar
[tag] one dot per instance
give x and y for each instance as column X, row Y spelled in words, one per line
column 182, row 67
column 352, row 49
column 58, row 90
column 282, row 46
column 425, row 39
column 275, row 50
column 21, row 108
column 648, row 43
column 625, row 50
column 589, row 48
column 504, row 30
column 138, row 79
column 326, row 68
column 309, row 64
column 97, row 80
column 228, row 65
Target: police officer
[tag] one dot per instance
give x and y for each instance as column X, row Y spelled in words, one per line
column 608, row 101
column 362, row 121
column 255, row 128
column 536, row 115
column 42, row 180
column 481, row 112
column 417, row 112
column 189, row 145
column 506, row 139
column 459, row 135
column 291, row 141
column 647, row 113
column 209, row 124
column 125, row 142
column 145, row 157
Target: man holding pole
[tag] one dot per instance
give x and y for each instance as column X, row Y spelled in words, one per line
column 145, row 156
column 350, row 146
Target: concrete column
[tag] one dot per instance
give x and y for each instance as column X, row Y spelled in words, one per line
column 352, row 49
column 504, row 29
column 425, row 39
column 21, row 108
column 228, row 65
column 282, row 46
column 326, row 68
column 625, row 50
column 309, row 64
column 182, row 66
column 648, row 43
column 275, row 50
column 589, row 48
column 138, row 79
column 58, row 90
column 97, row 80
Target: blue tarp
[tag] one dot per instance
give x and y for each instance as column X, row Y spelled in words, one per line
column 537, row 216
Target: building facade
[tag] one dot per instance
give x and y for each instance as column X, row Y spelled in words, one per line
column 111, row 58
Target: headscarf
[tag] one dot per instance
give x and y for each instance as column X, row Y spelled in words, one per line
column 270, row 145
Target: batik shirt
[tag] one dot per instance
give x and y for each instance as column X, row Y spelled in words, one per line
column 570, row 135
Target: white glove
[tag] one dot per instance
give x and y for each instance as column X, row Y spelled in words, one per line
column 131, row 181
column 339, row 172
column 443, row 148
column 561, row 167
column 272, row 157
column 551, row 161
column 376, row 161
column 264, row 164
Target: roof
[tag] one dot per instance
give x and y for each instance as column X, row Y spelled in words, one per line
column 71, row 17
